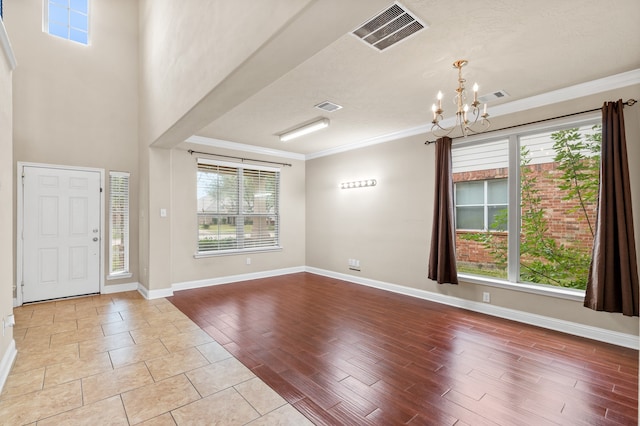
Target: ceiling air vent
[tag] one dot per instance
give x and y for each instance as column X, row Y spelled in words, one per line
column 493, row 96
column 389, row 27
column 328, row 106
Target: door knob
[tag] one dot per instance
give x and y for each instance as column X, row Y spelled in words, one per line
column 95, row 238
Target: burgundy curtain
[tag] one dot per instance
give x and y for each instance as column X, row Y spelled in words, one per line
column 442, row 259
column 612, row 285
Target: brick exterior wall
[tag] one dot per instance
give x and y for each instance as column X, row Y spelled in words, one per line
column 566, row 227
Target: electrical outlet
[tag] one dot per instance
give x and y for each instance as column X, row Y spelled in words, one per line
column 486, row 297
column 248, row 261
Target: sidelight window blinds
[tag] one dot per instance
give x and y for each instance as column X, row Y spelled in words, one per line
column 119, row 223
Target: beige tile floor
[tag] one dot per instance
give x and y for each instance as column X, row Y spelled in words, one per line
column 123, row 360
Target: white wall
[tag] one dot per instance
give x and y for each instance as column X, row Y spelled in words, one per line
column 388, row 227
column 77, row 105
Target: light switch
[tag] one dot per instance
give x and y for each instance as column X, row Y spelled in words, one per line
column 163, row 212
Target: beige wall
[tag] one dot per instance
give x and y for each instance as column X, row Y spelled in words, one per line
column 76, row 105
column 188, row 51
column 201, row 60
column 388, row 227
column 6, row 204
column 184, row 267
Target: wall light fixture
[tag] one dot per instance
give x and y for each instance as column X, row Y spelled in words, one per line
column 358, row 184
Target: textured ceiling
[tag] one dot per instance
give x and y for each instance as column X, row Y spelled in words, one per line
column 523, row 48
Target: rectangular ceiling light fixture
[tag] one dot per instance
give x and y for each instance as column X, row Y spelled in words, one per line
column 304, row 130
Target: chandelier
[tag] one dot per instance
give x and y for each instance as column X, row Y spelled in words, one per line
column 468, row 117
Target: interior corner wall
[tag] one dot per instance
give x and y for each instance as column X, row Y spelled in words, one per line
column 77, row 105
column 184, row 238
column 6, row 208
column 211, row 40
column 388, row 227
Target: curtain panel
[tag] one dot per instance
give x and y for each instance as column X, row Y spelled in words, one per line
column 442, row 257
column 612, row 285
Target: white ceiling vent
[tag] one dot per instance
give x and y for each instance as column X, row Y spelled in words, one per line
column 493, row 96
column 328, row 106
column 389, row 27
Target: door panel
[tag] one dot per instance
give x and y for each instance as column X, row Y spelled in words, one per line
column 61, row 244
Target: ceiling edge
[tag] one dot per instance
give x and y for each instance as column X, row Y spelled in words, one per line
column 219, row 143
column 613, row 82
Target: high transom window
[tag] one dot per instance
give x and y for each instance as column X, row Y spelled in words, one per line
column 68, row 19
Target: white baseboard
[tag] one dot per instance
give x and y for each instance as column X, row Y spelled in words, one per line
column 186, row 285
column 120, row 288
column 155, row 294
column 7, row 362
column 595, row 333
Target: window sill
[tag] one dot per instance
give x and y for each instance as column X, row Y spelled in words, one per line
column 119, row 276
column 203, row 254
column 545, row 290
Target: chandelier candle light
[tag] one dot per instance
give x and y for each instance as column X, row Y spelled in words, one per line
column 468, row 117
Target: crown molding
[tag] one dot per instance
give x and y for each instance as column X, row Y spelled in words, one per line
column 6, row 47
column 600, row 85
column 219, row 143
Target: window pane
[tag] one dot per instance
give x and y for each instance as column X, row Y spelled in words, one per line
column 216, row 232
column 259, row 191
column 79, row 36
column 470, row 218
column 79, row 5
column 260, row 231
column 497, row 190
column 559, row 185
column 79, row 21
column 58, row 30
column 63, row 3
column 469, row 193
column 497, row 217
column 218, row 190
column 481, row 251
column 59, row 15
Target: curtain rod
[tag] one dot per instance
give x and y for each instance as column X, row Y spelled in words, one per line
column 238, row 158
column 630, row 102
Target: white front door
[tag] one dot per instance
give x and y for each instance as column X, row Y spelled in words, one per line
column 61, row 233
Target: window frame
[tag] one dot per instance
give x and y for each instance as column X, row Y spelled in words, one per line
column 45, row 23
column 242, row 215
column 513, row 197
column 126, row 271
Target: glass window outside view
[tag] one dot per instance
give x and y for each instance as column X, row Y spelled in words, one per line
column 559, row 176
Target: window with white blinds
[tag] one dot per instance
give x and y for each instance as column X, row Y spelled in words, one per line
column 119, row 220
column 237, row 207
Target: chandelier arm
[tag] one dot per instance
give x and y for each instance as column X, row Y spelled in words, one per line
column 436, row 127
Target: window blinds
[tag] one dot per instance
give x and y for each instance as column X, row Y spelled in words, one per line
column 119, row 220
column 237, row 207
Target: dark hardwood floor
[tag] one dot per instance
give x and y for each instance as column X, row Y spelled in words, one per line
column 345, row 354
